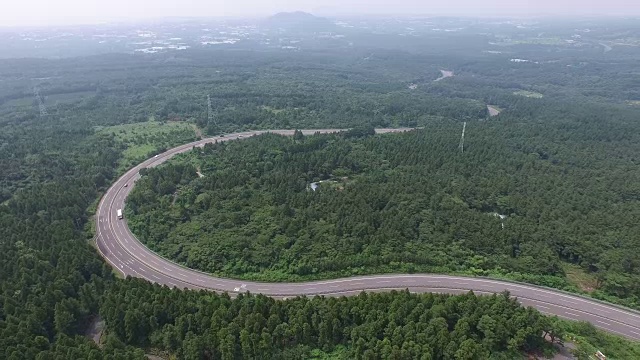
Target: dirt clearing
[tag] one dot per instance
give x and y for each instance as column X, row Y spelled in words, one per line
column 493, row 110
column 445, row 74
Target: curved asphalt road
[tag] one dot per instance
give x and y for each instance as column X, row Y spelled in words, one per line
column 124, row 252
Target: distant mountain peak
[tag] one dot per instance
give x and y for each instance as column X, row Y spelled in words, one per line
column 293, row 14
column 299, row 21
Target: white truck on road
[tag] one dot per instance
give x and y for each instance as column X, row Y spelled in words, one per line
column 119, row 212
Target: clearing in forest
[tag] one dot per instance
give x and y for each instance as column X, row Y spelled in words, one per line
column 50, row 100
column 445, row 74
column 272, row 109
column 529, row 94
column 579, row 277
column 95, row 330
column 493, row 110
column 143, row 139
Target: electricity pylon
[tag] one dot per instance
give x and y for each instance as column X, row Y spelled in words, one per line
column 461, row 146
column 41, row 106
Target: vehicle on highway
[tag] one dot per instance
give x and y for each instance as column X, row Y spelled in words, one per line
column 156, row 156
column 125, row 185
column 573, row 307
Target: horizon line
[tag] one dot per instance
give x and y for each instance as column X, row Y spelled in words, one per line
column 134, row 20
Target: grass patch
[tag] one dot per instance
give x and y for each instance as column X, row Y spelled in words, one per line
column 142, row 140
column 339, row 352
column 271, row 109
column 91, row 228
column 132, row 133
column 583, row 280
column 588, row 339
column 50, row 100
column 138, row 151
column 529, row 94
column 25, row 101
column 197, row 131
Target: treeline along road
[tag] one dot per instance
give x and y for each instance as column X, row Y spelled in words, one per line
column 123, row 251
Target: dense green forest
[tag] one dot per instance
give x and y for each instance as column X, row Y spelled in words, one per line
column 566, row 143
column 403, row 202
column 396, row 325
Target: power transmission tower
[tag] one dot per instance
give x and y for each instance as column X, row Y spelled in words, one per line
column 41, row 106
column 461, row 146
column 210, row 112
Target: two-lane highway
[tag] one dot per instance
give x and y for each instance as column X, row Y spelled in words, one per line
column 124, row 252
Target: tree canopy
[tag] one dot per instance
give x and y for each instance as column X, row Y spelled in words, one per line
column 395, row 325
column 560, row 161
column 278, row 208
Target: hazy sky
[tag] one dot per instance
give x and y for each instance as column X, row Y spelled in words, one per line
column 47, row 12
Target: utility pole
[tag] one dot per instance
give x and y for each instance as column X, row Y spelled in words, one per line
column 461, row 146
